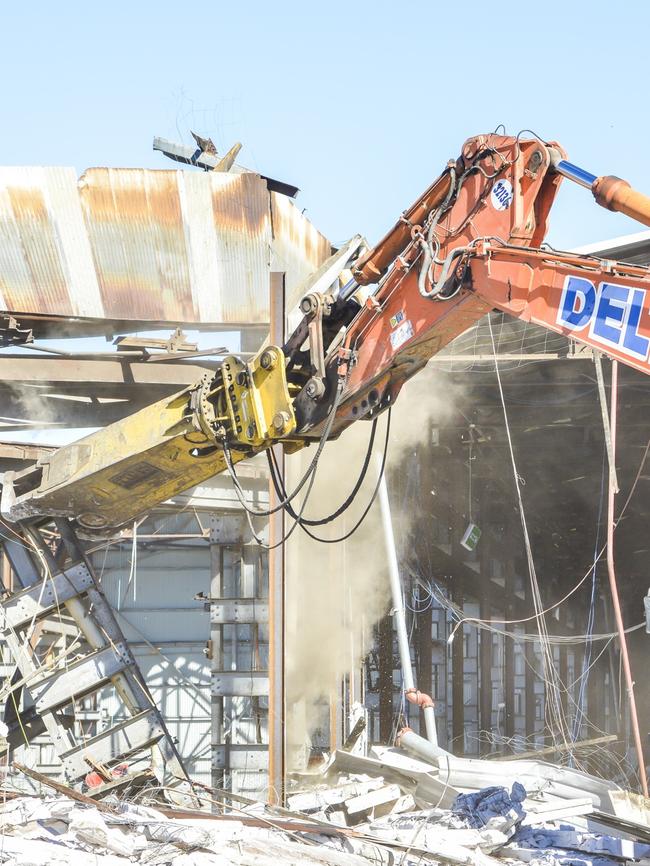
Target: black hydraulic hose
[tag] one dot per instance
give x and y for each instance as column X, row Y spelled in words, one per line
column 285, row 500
column 270, row 456
column 281, row 492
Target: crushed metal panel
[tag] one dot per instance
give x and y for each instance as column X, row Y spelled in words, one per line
column 298, row 248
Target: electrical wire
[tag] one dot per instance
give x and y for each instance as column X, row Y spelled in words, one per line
column 457, row 613
column 582, row 580
column 551, row 675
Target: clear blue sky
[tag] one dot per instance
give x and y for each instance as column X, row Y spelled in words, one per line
column 359, row 104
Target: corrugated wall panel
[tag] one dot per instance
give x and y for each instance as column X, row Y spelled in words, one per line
column 162, row 577
column 242, row 221
column 158, row 626
column 32, row 273
column 135, row 226
column 299, row 248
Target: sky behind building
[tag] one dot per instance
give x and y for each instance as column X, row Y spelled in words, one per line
column 359, row 104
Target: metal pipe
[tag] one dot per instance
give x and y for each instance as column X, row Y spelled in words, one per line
column 614, row 590
column 419, row 747
column 277, row 587
column 413, row 695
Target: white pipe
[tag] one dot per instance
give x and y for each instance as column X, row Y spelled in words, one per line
column 399, row 618
column 423, row 749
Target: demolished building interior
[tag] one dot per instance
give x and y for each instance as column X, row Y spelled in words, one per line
column 177, row 692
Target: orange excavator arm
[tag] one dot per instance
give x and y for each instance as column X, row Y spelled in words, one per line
column 473, row 242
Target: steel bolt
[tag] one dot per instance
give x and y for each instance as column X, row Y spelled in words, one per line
column 315, row 388
column 280, row 421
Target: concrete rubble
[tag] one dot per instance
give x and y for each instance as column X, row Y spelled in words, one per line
column 385, row 809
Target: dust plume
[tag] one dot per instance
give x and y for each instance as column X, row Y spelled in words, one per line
column 336, row 593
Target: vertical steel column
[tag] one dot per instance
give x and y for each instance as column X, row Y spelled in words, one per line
column 530, row 697
column 530, row 671
column 385, row 678
column 277, row 691
column 216, row 656
column 458, row 674
column 509, row 654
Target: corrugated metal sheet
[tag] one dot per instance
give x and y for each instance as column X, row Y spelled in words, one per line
column 298, row 249
column 148, row 245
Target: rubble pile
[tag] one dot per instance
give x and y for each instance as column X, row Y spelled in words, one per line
column 387, row 809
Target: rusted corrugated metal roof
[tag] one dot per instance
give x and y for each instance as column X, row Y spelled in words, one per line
column 298, row 248
column 148, row 245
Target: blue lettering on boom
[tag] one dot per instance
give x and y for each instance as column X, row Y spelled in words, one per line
column 612, row 313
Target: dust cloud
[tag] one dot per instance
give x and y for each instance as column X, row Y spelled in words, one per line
column 336, row 593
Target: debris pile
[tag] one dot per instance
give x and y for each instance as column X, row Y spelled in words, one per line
column 386, row 809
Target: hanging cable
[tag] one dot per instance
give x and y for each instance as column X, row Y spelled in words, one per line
column 551, row 675
column 274, row 468
column 277, row 483
column 310, row 474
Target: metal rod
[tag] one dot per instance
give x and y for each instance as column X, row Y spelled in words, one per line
column 399, row 617
column 575, row 173
column 614, row 590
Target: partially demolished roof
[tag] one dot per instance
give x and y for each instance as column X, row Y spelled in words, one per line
column 140, row 247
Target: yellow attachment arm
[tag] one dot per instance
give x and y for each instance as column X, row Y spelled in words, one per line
column 111, row 477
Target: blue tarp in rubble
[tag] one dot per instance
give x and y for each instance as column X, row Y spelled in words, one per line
column 477, row 809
